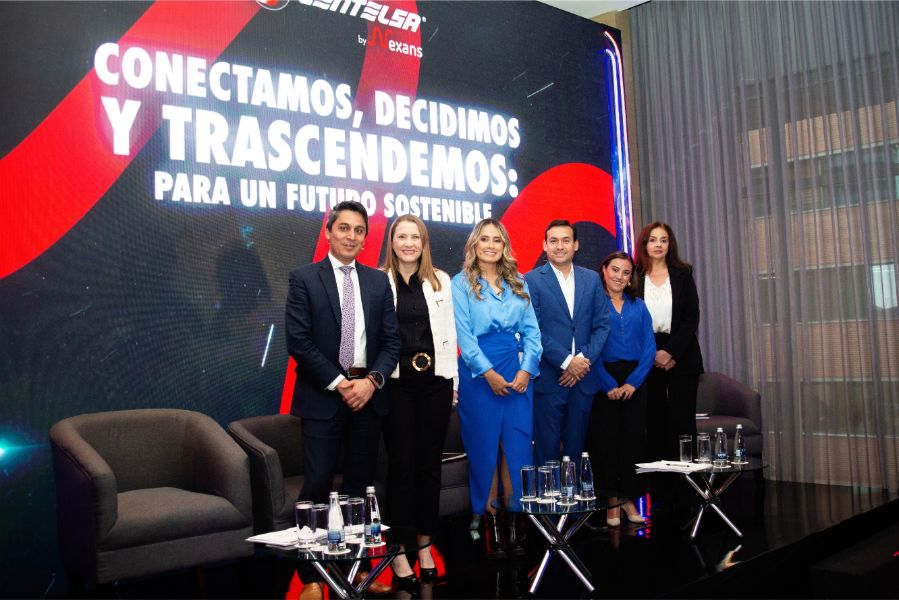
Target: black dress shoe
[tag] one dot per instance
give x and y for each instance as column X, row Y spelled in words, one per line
column 515, row 536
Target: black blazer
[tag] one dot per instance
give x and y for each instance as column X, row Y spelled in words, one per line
column 682, row 343
column 312, row 319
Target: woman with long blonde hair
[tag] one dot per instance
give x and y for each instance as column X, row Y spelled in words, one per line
column 495, row 324
column 421, row 395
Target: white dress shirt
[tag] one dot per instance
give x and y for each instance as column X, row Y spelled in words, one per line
column 567, row 285
column 359, row 354
column 658, row 301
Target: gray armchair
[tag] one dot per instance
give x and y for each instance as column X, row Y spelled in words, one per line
column 274, row 444
column 728, row 403
column 143, row 492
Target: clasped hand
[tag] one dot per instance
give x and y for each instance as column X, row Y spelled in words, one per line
column 501, row 387
column 576, row 370
column 664, row 360
column 356, row 392
column 621, row 393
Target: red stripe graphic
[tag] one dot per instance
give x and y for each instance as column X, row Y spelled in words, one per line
column 59, row 172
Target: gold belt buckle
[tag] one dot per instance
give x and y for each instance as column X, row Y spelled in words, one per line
column 427, row 364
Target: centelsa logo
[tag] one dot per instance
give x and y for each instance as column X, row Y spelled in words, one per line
column 363, row 9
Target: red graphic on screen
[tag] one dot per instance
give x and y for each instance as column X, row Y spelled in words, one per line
column 60, row 171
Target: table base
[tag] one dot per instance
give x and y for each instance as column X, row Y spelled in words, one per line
column 341, row 582
column 711, row 498
column 559, row 543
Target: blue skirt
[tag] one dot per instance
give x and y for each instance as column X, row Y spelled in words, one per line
column 486, row 419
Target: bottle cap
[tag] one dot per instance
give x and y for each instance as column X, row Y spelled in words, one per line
column 370, row 489
column 585, row 455
column 564, row 458
column 739, row 427
column 332, row 495
column 721, row 429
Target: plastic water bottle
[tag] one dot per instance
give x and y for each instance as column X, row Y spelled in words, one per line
column 569, row 481
column 587, row 492
column 720, row 448
column 372, row 518
column 336, row 535
column 739, row 447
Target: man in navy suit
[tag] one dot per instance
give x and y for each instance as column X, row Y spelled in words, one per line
column 573, row 315
column 341, row 403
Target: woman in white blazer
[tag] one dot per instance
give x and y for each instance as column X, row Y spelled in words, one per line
column 421, row 391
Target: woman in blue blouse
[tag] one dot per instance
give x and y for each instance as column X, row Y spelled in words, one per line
column 618, row 419
column 495, row 324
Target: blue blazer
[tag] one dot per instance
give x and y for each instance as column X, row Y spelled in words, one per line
column 312, row 319
column 589, row 327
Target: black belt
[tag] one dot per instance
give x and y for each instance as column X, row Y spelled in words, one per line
column 356, row 373
column 421, row 361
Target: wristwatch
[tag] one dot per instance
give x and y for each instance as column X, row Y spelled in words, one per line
column 377, row 379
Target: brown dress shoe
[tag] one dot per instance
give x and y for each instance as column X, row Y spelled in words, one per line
column 312, row 591
column 376, row 588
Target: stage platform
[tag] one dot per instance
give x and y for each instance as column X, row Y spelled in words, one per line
column 799, row 541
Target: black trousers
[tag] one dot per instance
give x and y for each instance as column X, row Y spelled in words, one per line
column 671, row 407
column 617, row 435
column 414, row 433
column 358, row 433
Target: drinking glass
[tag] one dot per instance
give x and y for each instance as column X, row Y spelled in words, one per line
column 301, row 512
column 528, row 483
column 686, row 447
column 357, row 516
column 344, row 501
column 318, row 522
column 545, row 482
column 556, row 468
column 704, row 447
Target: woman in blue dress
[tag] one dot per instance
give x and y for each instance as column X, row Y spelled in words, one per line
column 618, row 421
column 499, row 340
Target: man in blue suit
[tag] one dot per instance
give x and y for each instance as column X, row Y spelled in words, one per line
column 574, row 323
column 342, row 331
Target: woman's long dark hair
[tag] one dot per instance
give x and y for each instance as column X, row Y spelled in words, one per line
column 672, row 259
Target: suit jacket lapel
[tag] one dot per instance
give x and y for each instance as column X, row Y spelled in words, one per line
column 579, row 290
column 674, row 275
column 553, row 284
column 364, row 292
column 329, row 282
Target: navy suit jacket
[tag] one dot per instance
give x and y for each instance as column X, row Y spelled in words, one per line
column 589, row 326
column 313, row 318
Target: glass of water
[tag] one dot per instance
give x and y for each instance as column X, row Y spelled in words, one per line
column 318, row 522
column 704, row 448
column 528, row 483
column 686, row 447
column 545, row 484
column 357, row 516
column 556, row 469
column 302, row 513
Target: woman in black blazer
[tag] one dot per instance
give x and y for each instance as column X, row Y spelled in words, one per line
column 666, row 285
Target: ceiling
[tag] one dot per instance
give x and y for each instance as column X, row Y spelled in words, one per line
column 592, row 8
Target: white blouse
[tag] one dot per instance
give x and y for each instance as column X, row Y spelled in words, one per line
column 658, row 301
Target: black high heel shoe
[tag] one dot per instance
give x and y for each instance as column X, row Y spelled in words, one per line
column 408, row 583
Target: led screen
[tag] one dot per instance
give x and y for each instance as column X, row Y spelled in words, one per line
column 165, row 165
